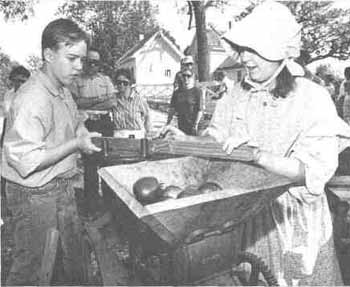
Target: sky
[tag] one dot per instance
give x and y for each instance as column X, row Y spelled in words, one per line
column 22, row 39
column 19, row 40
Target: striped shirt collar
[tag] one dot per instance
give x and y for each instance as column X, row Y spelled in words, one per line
column 130, row 98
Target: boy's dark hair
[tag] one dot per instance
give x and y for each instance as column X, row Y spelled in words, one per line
column 19, row 70
column 347, row 73
column 126, row 73
column 61, row 31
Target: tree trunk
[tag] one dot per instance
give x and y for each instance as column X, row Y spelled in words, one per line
column 202, row 40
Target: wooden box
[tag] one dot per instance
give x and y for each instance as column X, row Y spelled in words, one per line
column 186, row 240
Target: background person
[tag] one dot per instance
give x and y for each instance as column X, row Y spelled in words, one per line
column 294, row 126
column 187, row 103
column 91, row 91
column 17, row 77
column 131, row 114
column 343, row 99
column 186, row 64
column 226, row 84
column 41, row 142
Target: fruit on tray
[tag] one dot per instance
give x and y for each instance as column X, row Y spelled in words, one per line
column 189, row 191
column 208, row 187
column 147, row 190
column 204, row 188
column 172, row 192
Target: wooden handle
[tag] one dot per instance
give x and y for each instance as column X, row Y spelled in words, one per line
column 207, row 149
column 339, row 181
column 147, row 148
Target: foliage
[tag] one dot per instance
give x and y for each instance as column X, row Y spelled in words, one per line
column 115, row 26
column 325, row 31
column 34, row 63
column 17, row 10
column 5, row 68
column 327, row 73
column 329, row 76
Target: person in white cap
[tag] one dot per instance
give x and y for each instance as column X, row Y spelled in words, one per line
column 294, row 126
column 186, row 64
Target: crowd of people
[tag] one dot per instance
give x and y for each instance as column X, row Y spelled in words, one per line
column 291, row 121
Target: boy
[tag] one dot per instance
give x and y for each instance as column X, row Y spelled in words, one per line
column 41, row 141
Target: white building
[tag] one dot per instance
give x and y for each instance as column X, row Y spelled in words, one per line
column 153, row 61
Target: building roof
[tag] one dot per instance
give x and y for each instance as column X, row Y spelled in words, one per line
column 158, row 34
column 214, row 41
column 230, row 63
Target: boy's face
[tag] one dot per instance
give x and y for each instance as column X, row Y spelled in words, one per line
column 65, row 63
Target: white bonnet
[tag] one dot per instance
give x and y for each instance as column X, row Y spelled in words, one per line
column 272, row 31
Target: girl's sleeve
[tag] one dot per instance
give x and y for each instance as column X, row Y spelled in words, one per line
column 219, row 125
column 317, row 146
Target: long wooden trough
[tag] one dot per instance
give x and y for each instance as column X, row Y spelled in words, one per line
column 189, row 239
column 174, row 226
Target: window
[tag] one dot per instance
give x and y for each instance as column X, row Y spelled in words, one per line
column 133, row 73
column 167, row 73
column 239, row 76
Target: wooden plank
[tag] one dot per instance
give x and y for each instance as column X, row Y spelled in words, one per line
column 201, row 148
column 118, row 147
column 147, row 148
column 340, row 181
column 49, row 257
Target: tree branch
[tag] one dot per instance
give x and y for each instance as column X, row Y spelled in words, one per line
column 190, row 13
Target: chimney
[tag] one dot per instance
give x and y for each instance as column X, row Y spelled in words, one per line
column 141, row 37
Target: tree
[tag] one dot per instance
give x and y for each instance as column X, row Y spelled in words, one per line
column 325, row 29
column 5, row 68
column 199, row 9
column 115, row 26
column 21, row 10
column 34, row 63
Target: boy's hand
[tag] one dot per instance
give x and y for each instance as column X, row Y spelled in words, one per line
column 85, row 144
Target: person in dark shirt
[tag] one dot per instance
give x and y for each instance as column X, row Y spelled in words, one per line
column 187, row 104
